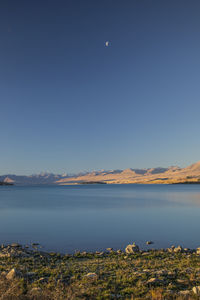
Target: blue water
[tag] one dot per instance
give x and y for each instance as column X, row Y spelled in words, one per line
column 94, row 217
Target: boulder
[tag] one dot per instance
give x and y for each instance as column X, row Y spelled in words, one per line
column 186, row 250
column 145, row 253
column 35, row 244
column 171, row 249
column 16, row 245
column 154, row 281
column 119, row 251
column 178, row 249
column 198, row 251
column 181, row 281
column 109, row 249
column 130, row 249
column 14, row 273
column 99, row 253
column 196, row 290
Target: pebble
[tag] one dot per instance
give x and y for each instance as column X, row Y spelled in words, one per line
column 149, row 242
column 91, row 275
column 154, row 281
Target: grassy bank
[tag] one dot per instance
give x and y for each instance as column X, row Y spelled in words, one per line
column 153, row 274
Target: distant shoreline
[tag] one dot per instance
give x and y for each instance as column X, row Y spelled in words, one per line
column 92, row 182
column 187, row 182
column 99, row 183
column 5, row 183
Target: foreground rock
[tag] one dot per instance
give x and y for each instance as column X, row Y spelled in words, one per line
column 178, row 249
column 196, row 290
column 13, row 274
column 131, row 249
column 149, row 242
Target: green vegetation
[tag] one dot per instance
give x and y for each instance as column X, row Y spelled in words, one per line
column 153, row 274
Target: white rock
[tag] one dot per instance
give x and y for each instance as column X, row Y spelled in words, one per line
column 91, row 275
column 153, row 281
column 132, row 249
column 196, row 290
column 178, row 249
column 13, row 274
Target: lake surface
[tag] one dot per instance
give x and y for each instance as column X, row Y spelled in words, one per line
column 94, row 217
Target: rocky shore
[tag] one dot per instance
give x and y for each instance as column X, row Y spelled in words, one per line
column 26, row 272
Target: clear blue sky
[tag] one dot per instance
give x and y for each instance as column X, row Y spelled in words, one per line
column 68, row 103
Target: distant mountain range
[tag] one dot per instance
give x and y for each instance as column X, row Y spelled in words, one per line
column 190, row 174
column 43, row 178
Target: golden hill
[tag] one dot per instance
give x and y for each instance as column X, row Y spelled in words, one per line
column 147, row 176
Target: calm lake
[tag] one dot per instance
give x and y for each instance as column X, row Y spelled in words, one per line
column 94, row 217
